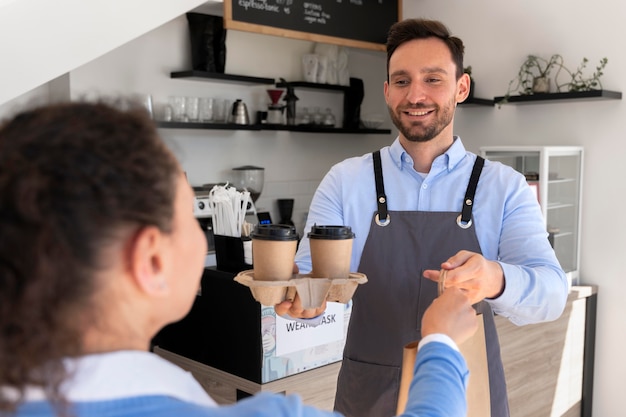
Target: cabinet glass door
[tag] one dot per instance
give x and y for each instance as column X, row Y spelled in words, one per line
column 563, row 208
column 555, row 172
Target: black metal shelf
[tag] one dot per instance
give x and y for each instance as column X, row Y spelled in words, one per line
column 297, row 128
column 475, row 101
column 216, row 76
column 323, row 129
column 313, row 86
column 204, row 76
column 576, row 95
column 207, row 126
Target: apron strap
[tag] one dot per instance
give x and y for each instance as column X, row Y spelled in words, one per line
column 381, row 198
column 465, row 218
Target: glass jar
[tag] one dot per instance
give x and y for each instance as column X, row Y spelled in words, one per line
column 318, row 117
column 305, row 117
column 329, row 118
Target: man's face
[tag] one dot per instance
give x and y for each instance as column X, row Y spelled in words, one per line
column 422, row 90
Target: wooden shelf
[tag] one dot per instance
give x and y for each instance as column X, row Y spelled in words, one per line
column 576, row 95
column 299, row 128
column 204, row 76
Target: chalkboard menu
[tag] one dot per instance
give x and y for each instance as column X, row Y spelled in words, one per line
column 357, row 23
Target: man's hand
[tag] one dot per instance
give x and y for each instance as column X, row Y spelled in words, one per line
column 295, row 310
column 451, row 314
column 472, row 273
column 294, row 307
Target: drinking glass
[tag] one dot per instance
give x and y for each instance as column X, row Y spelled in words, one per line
column 206, row 109
column 178, row 108
column 191, row 108
column 221, row 110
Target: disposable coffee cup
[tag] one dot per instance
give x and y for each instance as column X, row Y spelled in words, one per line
column 273, row 251
column 331, row 251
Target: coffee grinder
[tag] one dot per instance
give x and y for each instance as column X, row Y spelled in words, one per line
column 290, row 99
column 250, row 178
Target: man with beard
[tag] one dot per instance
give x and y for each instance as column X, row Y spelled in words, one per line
column 421, row 205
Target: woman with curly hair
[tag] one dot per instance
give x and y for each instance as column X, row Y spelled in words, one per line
column 99, row 249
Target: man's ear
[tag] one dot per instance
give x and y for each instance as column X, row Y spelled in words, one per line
column 464, row 88
column 386, row 91
column 147, row 260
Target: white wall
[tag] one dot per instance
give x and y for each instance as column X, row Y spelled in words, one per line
column 41, row 39
column 498, row 35
column 294, row 162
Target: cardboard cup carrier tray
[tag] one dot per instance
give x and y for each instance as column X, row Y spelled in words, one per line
column 312, row 291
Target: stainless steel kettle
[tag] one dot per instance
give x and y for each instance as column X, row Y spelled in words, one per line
column 239, row 113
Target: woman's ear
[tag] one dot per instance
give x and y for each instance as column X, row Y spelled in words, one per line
column 147, row 260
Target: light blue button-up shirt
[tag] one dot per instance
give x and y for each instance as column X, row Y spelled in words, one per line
column 507, row 218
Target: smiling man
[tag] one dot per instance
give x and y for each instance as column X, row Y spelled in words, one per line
column 421, row 205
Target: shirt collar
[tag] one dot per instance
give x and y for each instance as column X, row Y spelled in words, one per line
column 124, row 374
column 450, row 158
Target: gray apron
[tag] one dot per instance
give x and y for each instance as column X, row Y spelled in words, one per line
column 387, row 311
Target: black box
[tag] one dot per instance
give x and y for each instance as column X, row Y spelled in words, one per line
column 213, row 334
column 229, row 253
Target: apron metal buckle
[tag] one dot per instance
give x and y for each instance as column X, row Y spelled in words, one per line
column 384, row 222
column 462, row 225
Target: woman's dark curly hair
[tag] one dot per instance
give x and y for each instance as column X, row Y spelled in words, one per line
column 411, row 29
column 74, row 177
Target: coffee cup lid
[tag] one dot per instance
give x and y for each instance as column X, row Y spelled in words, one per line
column 331, row 232
column 274, row 232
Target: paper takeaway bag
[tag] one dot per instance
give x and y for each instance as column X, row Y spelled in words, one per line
column 474, row 350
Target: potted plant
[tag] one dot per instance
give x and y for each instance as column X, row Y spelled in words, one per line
column 577, row 82
column 533, row 77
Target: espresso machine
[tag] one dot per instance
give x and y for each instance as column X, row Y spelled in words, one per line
column 202, row 212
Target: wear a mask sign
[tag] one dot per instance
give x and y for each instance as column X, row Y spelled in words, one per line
column 293, row 336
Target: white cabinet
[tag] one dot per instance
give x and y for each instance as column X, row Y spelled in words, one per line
column 556, row 173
